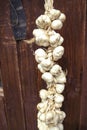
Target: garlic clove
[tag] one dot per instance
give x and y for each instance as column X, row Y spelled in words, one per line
column 61, row 127
column 53, row 14
column 62, row 17
column 40, row 54
column 60, row 88
column 58, row 53
column 47, row 77
column 43, row 94
column 55, row 70
column 43, row 21
column 56, row 25
column 59, row 98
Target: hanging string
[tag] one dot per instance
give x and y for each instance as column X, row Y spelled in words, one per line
column 48, row 5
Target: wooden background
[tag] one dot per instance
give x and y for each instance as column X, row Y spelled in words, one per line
column 20, row 78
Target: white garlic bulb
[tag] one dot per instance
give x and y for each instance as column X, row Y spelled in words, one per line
column 62, row 17
column 58, row 105
column 58, row 53
column 54, row 40
column 53, row 14
column 60, row 88
column 61, row 40
column 42, row 125
column 43, row 94
column 42, row 106
column 43, row 21
column 49, row 117
column 55, row 70
column 40, row 54
column 47, row 64
column 42, row 117
column 42, row 40
column 59, row 98
column 41, row 68
column 61, row 114
column 47, row 77
column 38, row 32
column 60, row 79
column 56, row 24
column 61, row 127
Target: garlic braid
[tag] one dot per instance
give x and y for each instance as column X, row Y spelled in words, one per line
column 50, row 116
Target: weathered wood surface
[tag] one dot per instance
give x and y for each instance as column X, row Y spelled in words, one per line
column 3, row 121
column 83, row 114
column 10, row 71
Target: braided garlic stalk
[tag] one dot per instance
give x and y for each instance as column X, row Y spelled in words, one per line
column 50, row 116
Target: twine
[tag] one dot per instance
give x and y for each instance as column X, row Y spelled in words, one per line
column 48, row 5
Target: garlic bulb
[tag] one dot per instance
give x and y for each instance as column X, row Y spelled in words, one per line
column 60, row 79
column 38, row 32
column 40, row 54
column 58, row 53
column 50, row 116
column 58, row 105
column 53, row 14
column 42, row 40
column 59, row 98
column 60, row 126
column 47, row 77
column 60, row 88
column 42, row 117
column 47, row 64
column 54, row 39
column 43, row 21
column 56, row 24
column 62, row 17
column 56, row 70
column 43, row 94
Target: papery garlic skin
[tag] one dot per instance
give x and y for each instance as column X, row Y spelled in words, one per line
column 50, row 116
column 43, row 21
column 56, row 24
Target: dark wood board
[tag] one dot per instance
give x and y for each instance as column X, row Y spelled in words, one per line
column 3, row 120
column 10, row 71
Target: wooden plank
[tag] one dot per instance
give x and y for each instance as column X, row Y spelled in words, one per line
column 10, row 71
column 3, row 121
column 83, row 114
column 73, row 32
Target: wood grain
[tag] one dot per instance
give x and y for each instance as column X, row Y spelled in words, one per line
column 10, row 71
column 83, row 114
column 3, row 121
